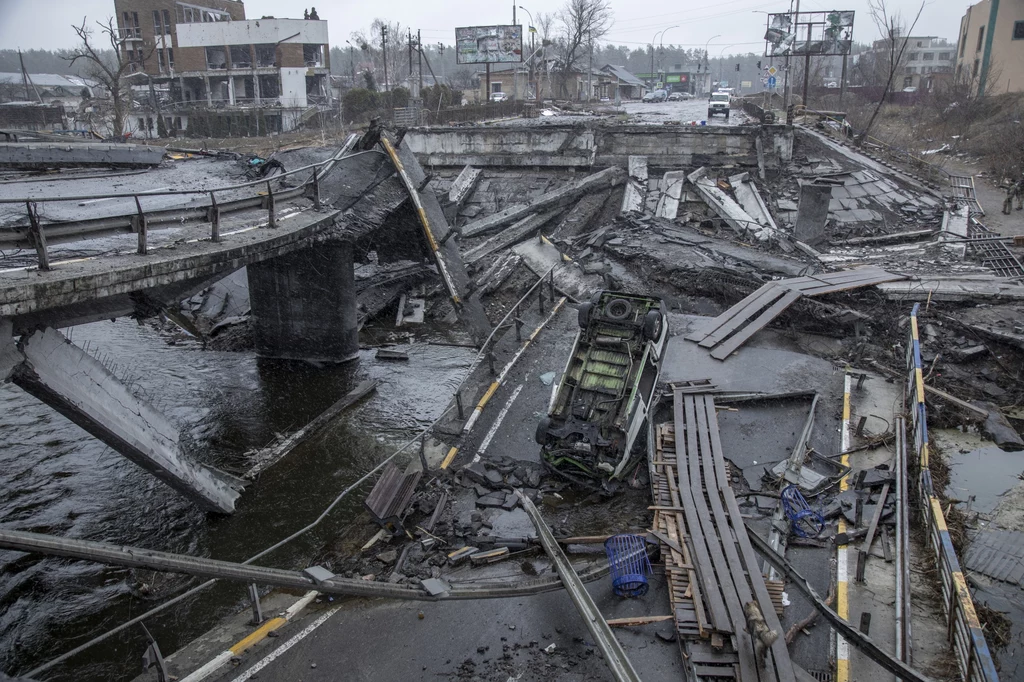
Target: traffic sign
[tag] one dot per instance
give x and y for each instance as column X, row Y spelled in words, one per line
column 771, row 82
column 772, row 71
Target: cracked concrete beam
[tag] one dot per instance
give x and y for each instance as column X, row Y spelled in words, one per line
column 82, row 389
column 609, row 177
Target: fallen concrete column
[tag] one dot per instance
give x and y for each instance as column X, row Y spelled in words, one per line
column 812, row 213
column 609, row 177
column 460, row 191
column 38, row 155
column 671, row 193
column 52, row 369
column 304, row 304
column 985, row 288
column 635, row 196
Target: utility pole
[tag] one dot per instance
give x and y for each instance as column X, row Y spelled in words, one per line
column 419, row 51
column 590, row 68
column 789, row 52
column 807, row 62
column 415, row 94
column 384, row 50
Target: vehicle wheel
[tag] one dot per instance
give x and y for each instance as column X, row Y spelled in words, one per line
column 584, row 315
column 727, row 114
column 542, row 431
column 618, row 309
column 653, row 322
column 710, row 113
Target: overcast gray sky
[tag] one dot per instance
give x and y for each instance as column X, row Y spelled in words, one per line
column 46, row 23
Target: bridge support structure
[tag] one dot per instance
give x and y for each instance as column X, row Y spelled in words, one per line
column 49, row 367
column 304, row 304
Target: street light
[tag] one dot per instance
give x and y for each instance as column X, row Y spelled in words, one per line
column 661, row 32
column 721, row 58
column 533, row 33
column 351, row 64
column 706, row 65
column 661, row 48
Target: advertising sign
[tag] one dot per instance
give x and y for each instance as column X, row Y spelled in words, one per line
column 488, row 44
column 814, row 33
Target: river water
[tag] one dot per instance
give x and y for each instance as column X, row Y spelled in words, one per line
column 55, row 478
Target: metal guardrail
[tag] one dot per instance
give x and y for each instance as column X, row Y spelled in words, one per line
column 36, row 235
column 963, row 630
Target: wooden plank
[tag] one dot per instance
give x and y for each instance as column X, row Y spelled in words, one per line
column 740, row 316
column 726, row 316
column 636, row 620
column 731, row 579
column 719, row 616
column 741, row 337
column 780, row 652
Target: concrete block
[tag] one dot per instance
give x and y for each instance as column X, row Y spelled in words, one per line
column 812, row 213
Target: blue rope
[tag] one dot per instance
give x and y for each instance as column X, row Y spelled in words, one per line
column 803, row 520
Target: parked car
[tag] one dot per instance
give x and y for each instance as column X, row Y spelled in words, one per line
column 600, row 403
column 656, row 96
column 719, row 104
column 499, row 97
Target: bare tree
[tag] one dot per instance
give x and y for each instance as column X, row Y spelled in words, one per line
column 895, row 35
column 396, row 53
column 111, row 71
column 582, row 23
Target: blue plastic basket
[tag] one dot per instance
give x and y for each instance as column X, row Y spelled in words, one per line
column 627, row 559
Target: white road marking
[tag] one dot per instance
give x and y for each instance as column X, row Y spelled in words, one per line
column 497, row 422
column 269, row 658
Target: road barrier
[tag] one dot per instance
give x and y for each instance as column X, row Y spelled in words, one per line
column 39, row 234
column 962, row 627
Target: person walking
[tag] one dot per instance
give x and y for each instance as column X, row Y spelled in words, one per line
column 313, row 15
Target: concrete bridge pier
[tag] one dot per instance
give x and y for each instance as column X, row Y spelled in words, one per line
column 304, row 304
column 49, row 367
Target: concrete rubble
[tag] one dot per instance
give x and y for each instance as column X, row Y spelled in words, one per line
column 821, row 252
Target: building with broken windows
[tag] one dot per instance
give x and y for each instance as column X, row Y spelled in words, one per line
column 991, row 54
column 208, row 70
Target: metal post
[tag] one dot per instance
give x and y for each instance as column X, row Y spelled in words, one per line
column 842, row 82
column 36, row 236
column 551, row 285
column 490, row 362
column 141, row 227
column 458, row 405
column 214, row 219
column 254, row 601
column 519, row 324
column 540, row 299
column 423, row 455
column 153, row 657
column 316, row 188
column 270, row 206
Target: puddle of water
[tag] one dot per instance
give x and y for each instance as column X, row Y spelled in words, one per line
column 977, row 467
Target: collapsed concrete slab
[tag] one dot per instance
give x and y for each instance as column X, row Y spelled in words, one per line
column 540, row 256
column 671, row 192
column 609, row 177
column 52, row 369
column 635, row 196
column 983, row 288
column 509, row 236
column 727, row 209
column 437, row 232
column 37, row 155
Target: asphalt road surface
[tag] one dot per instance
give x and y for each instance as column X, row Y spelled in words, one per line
column 685, row 111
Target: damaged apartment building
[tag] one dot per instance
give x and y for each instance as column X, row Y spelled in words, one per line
column 204, row 69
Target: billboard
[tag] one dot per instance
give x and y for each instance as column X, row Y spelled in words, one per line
column 488, row 44
column 814, row 33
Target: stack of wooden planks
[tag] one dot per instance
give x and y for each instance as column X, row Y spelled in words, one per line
column 714, row 572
